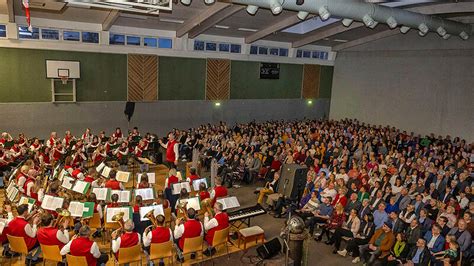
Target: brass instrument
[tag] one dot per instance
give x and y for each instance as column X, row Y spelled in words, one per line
column 206, row 205
column 34, row 213
column 63, row 214
column 151, row 216
column 182, row 211
column 118, row 218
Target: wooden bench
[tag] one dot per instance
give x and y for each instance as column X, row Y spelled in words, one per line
column 250, row 234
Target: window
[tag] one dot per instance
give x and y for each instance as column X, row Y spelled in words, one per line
column 150, row 42
column 224, row 47
column 273, row 51
column 133, row 40
column 299, row 53
column 211, row 46
column 48, row 34
column 306, row 54
column 165, row 43
column 315, row 54
column 323, row 55
column 235, row 48
column 71, row 36
column 283, row 52
column 198, row 45
column 90, row 37
column 117, row 39
column 3, row 31
column 262, row 50
column 253, row 49
column 23, row 33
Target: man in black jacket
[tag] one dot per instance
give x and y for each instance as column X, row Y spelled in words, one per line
column 419, row 255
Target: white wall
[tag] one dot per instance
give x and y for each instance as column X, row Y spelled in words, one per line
column 417, row 84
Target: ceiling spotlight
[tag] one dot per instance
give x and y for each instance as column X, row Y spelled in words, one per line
column 186, row 2
column 347, row 22
column 423, row 28
column 391, row 22
column 302, row 15
column 464, row 35
column 276, row 7
column 368, row 20
column 446, row 36
column 441, row 31
column 252, row 9
column 404, row 29
column 422, row 34
column 208, row 2
column 324, row 13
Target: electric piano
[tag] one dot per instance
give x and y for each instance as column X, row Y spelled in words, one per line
column 243, row 215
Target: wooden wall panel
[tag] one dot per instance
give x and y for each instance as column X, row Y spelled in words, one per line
column 142, row 78
column 218, row 79
column 311, row 76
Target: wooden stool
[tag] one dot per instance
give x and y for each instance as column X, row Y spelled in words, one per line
column 250, row 234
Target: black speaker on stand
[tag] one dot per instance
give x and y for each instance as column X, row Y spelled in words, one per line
column 129, row 110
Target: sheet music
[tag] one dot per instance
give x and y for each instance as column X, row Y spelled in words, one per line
column 100, row 193
column 122, row 176
column 62, row 174
column 100, row 167
column 80, row 186
column 197, row 182
column 178, row 186
column 192, row 203
column 76, row 208
column 146, row 193
column 68, row 182
column 52, row 203
column 112, row 211
column 12, row 194
column 158, row 209
column 229, row 202
column 11, row 186
column 25, row 200
column 124, row 195
column 106, row 171
column 151, row 178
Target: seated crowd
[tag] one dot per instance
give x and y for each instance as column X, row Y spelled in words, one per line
column 390, row 196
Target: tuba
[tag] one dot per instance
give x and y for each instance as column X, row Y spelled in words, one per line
column 151, row 216
column 207, row 206
column 182, row 211
column 62, row 215
column 118, row 218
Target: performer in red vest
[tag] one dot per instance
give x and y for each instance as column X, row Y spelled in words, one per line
column 20, row 227
column 219, row 222
column 84, row 247
column 193, row 176
column 112, row 183
column 203, row 193
column 218, row 191
column 172, row 150
column 127, row 239
column 172, row 178
column 51, row 236
column 160, row 234
column 189, row 229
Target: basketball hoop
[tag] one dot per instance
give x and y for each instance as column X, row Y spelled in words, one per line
column 64, row 79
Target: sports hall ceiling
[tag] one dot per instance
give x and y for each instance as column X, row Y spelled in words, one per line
column 226, row 19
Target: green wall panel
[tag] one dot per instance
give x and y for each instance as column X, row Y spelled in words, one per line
column 245, row 82
column 23, row 75
column 325, row 82
column 181, row 78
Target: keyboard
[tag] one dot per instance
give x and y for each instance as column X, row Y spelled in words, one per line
column 246, row 213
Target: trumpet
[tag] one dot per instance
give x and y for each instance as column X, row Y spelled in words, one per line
column 207, row 206
column 118, row 218
column 151, row 216
column 63, row 215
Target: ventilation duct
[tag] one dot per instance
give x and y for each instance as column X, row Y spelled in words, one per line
column 357, row 10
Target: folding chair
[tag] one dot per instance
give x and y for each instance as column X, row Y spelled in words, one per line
column 162, row 251
column 51, row 253
column 131, row 254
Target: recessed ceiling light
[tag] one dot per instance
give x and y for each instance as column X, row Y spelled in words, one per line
column 221, row 27
column 339, row 40
column 172, row 20
column 247, row 29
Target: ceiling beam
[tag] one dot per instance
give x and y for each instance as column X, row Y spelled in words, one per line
column 200, row 18
column 432, row 9
column 280, row 25
column 110, row 19
column 213, row 20
column 11, row 12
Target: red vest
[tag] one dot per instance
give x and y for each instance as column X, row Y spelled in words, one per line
column 204, row 195
column 192, row 178
column 88, row 179
column 171, row 180
column 128, row 240
column 17, row 228
column 76, row 172
column 219, row 191
column 192, row 228
column 45, row 158
column 113, row 184
column 81, row 246
column 160, row 235
column 170, row 156
column 56, row 155
column 222, row 222
column 48, row 236
column 28, row 180
column 20, row 174
column 98, row 158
